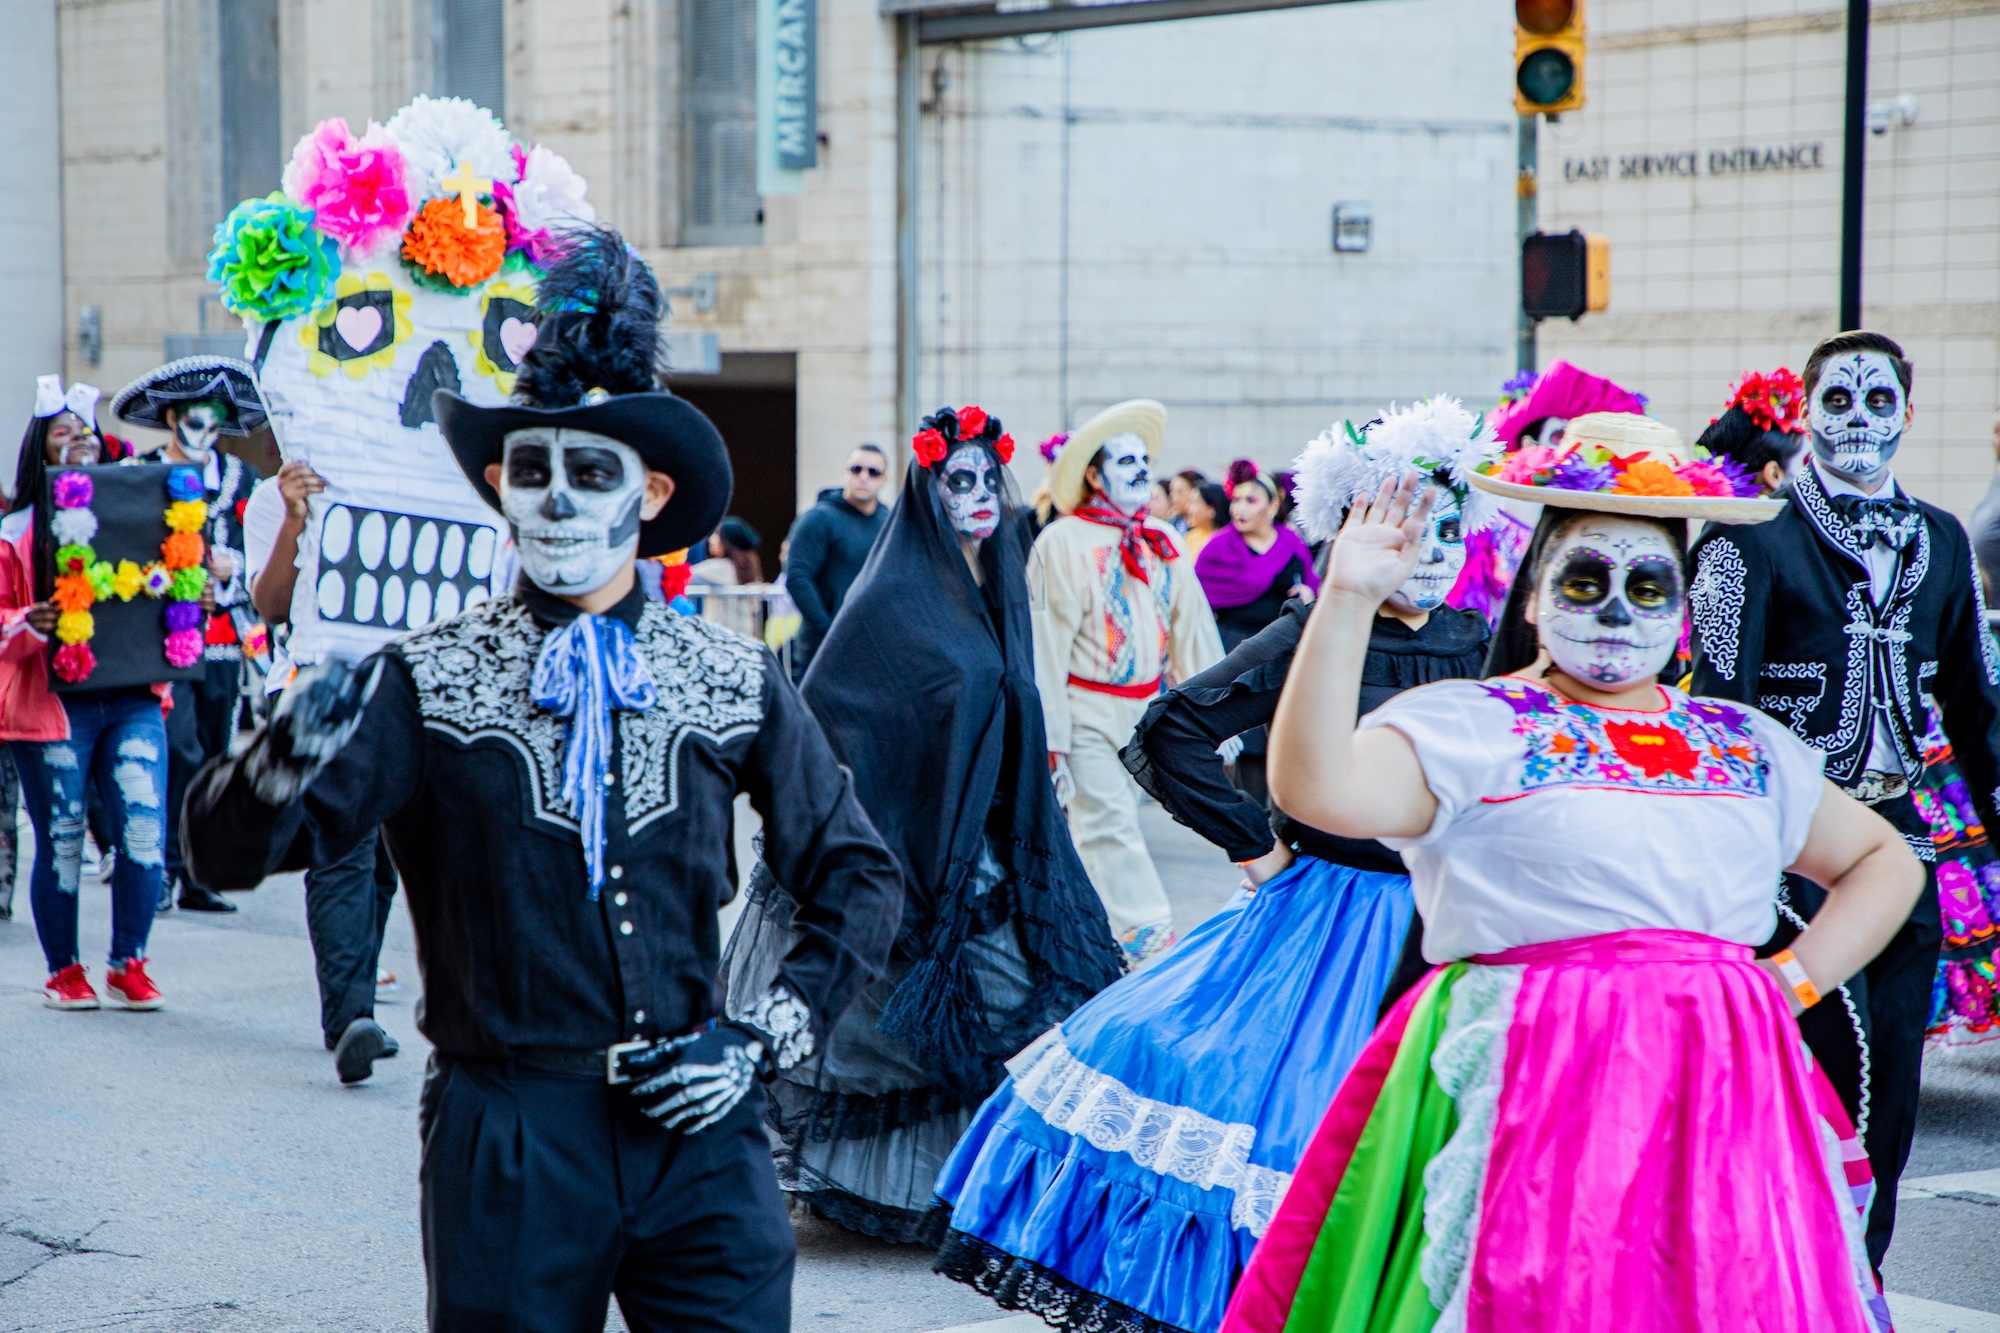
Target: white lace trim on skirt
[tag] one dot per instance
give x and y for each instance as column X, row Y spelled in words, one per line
column 1172, row 1140
column 1470, row 1063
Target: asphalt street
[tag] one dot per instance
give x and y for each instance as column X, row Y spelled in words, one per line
column 201, row 1170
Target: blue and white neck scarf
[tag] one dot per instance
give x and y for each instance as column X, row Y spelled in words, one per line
column 588, row 668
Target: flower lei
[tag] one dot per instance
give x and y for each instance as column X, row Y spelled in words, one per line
column 946, row 429
column 82, row 580
column 1776, row 401
column 1595, row 468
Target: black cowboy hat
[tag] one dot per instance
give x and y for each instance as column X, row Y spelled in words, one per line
column 670, row 434
column 194, row 379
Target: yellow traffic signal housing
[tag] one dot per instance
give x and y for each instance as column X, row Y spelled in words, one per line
column 1548, row 56
column 1597, row 272
column 1565, row 275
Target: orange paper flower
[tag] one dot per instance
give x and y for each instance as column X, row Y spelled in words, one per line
column 74, row 593
column 1650, row 477
column 182, row 550
column 439, row 242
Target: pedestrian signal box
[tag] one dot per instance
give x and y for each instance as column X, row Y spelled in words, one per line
column 1563, row 276
column 1548, row 56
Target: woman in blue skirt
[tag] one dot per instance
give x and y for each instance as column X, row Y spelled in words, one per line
column 1120, row 1177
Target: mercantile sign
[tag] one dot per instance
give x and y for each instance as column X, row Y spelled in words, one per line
column 1690, row 162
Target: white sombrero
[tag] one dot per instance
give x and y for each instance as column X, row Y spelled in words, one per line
column 1137, row 416
column 1632, row 439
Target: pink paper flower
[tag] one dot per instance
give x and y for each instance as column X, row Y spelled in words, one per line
column 1706, row 479
column 1522, row 466
column 183, row 647
column 358, row 189
column 73, row 490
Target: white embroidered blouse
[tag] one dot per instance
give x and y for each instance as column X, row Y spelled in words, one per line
column 1553, row 821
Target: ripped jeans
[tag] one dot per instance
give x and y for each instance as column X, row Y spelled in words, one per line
column 118, row 740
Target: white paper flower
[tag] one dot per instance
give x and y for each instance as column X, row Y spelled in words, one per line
column 439, row 134
column 1435, row 435
column 73, row 527
column 550, row 195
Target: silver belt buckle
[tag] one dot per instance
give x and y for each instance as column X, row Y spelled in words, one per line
column 1873, row 787
column 611, row 1054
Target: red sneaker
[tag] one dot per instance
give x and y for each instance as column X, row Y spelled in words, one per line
column 133, row 988
column 70, row 989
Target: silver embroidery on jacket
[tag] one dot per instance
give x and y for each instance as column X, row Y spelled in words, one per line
column 1716, row 599
column 472, row 675
column 1798, row 704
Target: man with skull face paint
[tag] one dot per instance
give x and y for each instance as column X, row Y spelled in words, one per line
column 925, row 686
column 553, row 772
column 197, row 400
column 1843, row 616
column 1118, row 615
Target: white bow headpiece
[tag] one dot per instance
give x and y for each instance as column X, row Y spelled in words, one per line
column 50, row 398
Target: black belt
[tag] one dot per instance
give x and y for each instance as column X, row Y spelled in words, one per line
column 606, row 1062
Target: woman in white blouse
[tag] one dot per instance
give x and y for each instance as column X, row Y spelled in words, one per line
column 1597, row 1112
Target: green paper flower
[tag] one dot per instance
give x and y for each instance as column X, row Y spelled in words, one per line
column 65, row 554
column 189, row 582
column 101, row 576
column 271, row 261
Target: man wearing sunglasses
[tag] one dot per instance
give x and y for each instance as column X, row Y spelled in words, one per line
column 829, row 542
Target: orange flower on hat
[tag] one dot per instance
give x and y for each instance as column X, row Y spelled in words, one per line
column 439, row 242
column 182, row 550
column 1650, row 477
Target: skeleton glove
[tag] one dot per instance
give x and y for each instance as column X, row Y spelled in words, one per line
column 709, row 1074
column 317, row 715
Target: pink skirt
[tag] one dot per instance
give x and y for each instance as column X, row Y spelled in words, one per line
column 1624, row 1131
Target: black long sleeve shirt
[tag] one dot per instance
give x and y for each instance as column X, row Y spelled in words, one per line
column 1172, row 751
column 463, row 772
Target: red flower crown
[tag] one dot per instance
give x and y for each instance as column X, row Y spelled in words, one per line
column 945, row 429
column 1776, row 401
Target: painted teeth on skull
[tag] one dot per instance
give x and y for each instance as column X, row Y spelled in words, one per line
column 573, row 501
column 198, row 426
column 1441, row 557
column 1125, row 472
column 969, row 487
column 1856, row 415
column 1609, row 609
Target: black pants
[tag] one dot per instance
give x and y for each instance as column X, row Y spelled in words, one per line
column 197, row 730
column 347, row 912
column 544, row 1195
column 1892, row 998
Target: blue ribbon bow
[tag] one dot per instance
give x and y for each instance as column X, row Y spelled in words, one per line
column 586, row 669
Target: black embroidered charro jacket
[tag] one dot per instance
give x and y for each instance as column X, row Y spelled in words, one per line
column 1783, row 619
column 463, row 772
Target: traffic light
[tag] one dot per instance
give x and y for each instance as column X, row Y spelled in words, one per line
column 1564, row 275
column 1548, row 56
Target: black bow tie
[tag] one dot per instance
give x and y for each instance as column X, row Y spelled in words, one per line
column 1889, row 519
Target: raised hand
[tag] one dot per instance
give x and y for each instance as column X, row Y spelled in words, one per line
column 318, row 713
column 1379, row 543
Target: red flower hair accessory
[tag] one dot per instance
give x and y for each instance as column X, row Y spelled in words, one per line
column 929, row 446
column 971, row 421
column 1004, row 446
column 1776, row 401
column 947, row 428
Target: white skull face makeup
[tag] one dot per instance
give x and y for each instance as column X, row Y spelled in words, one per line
column 1856, row 413
column 197, row 429
column 1609, row 608
column 1128, row 484
column 970, row 489
column 1439, row 559
column 573, row 500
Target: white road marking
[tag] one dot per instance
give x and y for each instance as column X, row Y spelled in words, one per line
column 1964, row 1182
column 1916, row 1315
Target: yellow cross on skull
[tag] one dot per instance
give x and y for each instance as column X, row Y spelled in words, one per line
column 468, row 188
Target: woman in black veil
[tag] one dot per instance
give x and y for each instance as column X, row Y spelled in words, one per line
column 925, row 686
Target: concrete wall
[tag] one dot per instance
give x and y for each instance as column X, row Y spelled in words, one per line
column 31, row 258
column 1716, row 273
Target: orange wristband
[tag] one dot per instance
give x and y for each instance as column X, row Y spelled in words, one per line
column 1794, row 973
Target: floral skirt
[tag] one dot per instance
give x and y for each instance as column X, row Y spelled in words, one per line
column 1618, row 1132
column 1965, row 1002
column 1118, row 1181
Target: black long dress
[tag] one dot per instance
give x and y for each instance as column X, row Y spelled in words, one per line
column 925, row 687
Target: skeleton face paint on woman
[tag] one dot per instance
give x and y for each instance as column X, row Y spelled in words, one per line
column 1609, row 608
column 1440, row 557
column 1856, row 413
column 1123, row 465
column 970, row 489
column 572, row 498
column 196, row 429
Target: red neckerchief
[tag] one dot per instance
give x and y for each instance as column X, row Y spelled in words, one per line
column 1133, row 531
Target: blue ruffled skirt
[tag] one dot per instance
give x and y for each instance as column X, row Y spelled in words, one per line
column 1120, row 1178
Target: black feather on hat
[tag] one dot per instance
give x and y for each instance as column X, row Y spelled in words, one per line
column 595, row 366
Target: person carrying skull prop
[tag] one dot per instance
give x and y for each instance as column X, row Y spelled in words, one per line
column 1118, row 615
column 1847, row 617
column 553, row 770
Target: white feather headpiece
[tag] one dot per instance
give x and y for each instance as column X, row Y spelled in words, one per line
column 1436, row 435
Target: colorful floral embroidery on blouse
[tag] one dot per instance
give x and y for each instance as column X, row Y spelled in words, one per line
column 1697, row 747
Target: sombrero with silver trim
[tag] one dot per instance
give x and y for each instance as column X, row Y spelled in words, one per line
column 194, row 379
column 1604, row 447
column 1142, row 417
